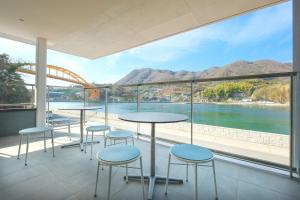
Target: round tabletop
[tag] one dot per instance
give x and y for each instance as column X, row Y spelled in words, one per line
column 82, row 108
column 153, row 117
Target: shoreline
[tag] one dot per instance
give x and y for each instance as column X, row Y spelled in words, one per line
column 255, row 103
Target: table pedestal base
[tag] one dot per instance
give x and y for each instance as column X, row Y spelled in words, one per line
column 152, row 180
column 76, row 144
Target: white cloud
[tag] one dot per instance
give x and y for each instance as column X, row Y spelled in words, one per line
column 17, row 51
column 111, row 78
column 111, row 61
column 173, row 47
column 254, row 27
column 264, row 23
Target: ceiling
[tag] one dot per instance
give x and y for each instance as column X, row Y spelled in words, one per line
column 96, row 28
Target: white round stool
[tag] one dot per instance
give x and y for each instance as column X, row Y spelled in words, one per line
column 56, row 121
column 119, row 155
column 28, row 131
column 119, row 135
column 97, row 128
column 194, row 155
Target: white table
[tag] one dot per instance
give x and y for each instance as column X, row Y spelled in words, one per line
column 153, row 118
column 81, row 109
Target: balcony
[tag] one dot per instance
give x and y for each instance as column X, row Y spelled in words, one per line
column 257, row 149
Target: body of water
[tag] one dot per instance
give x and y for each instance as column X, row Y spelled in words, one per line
column 250, row 117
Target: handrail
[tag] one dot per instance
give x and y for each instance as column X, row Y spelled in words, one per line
column 254, row 76
column 228, row 78
column 58, row 86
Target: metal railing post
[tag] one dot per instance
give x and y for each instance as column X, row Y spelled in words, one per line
column 106, row 107
column 137, row 110
column 32, row 96
column 84, row 103
column 291, row 127
column 48, row 98
column 84, row 96
column 192, row 101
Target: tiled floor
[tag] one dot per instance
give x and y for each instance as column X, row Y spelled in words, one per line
column 71, row 175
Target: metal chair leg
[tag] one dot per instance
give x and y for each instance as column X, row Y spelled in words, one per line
column 187, row 173
column 27, row 146
column 196, row 182
column 86, row 138
column 44, row 141
column 95, row 195
column 109, row 182
column 92, row 145
column 21, row 138
column 69, row 130
column 142, row 178
column 52, row 143
column 168, row 173
column 215, row 180
column 126, row 174
column 105, row 141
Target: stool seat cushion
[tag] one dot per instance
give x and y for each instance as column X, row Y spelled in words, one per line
column 119, row 153
column 98, row 128
column 191, row 152
column 32, row 130
column 119, row 134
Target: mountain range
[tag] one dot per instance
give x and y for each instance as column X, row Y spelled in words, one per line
column 238, row 68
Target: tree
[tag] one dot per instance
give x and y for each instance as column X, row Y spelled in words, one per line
column 12, row 88
column 228, row 90
column 278, row 93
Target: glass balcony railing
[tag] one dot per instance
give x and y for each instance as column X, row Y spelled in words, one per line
column 246, row 117
column 17, row 96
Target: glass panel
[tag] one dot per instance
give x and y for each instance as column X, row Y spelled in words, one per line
column 64, row 97
column 170, row 98
column 122, row 100
column 16, row 94
column 250, row 118
column 95, row 97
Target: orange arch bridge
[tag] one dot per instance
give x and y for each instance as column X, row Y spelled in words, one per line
column 63, row 74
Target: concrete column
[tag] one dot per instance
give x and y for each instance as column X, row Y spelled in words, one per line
column 40, row 80
column 296, row 67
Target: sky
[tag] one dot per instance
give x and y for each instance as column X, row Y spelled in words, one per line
column 262, row 34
